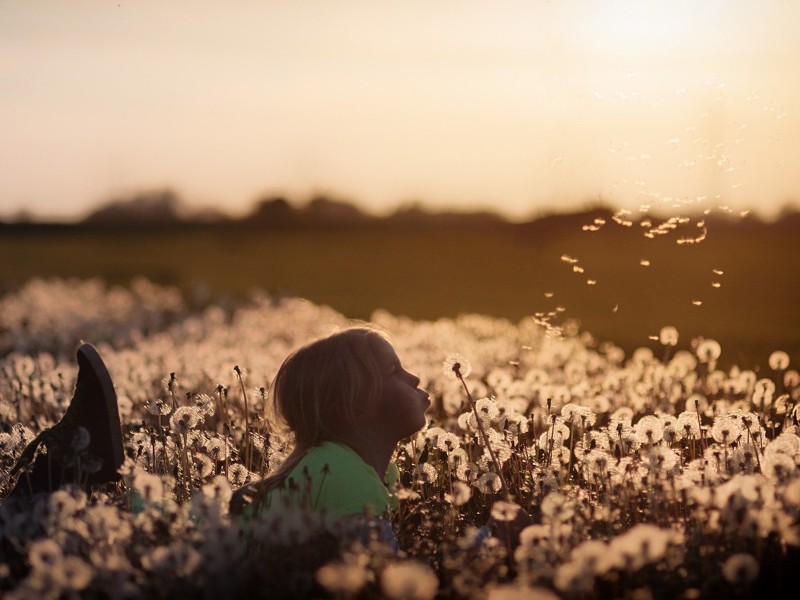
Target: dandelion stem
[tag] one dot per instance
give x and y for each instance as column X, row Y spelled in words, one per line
column 484, row 437
column 247, row 450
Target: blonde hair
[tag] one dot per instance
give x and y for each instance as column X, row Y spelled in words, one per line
column 319, row 388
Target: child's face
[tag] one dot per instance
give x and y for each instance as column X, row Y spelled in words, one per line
column 401, row 410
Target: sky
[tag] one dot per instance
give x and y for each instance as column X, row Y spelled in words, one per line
column 520, row 107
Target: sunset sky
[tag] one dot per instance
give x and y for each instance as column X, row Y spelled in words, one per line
column 521, row 107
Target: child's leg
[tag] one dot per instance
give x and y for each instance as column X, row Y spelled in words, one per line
column 69, row 459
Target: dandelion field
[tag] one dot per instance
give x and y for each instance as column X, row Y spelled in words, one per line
column 650, row 475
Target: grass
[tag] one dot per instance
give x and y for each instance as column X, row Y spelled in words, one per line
column 429, row 273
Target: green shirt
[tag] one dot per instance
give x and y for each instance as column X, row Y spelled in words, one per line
column 334, row 479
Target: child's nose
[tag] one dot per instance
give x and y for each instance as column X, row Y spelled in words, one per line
column 414, row 380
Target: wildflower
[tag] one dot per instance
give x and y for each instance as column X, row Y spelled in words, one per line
column 512, row 591
column 593, row 554
column 778, row 360
column 204, row 466
column 688, row 424
column 184, row 418
column 489, row 483
column 787, row 443
column 726, row 430
column 514, row 424
column 72, row 573
column 217, row 449
column 708, row 351
column 238, row 474
column 461, row 494
column 641, row 545
column 455, row 366
column 219, row 489
column 158, row 408
column 740, row 569
column 148, row 486
column 205, row 405
column 573, row 577
column 649, row 430
column 45, row 554
column 409, row 580
column 426, row 473
column 467, row 472
column 343, row 579
column 662, row 459
column 576, row 414
column 763, row 392
column 778, row 467
column 556, row 507
column 431, row 436
column 504, row 511
column 668, row 336
column 791, row 493
column 598, row 461
column 487, row 409
column 535, row 535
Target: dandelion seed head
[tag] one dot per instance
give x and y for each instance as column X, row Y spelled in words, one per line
column 184, row 419
column 342, row 578
column 409, row 580
column 488, row 483
column 45, row 554
column 504, row 511
column 708, row 351
column 455, row 365
column 778, row 360
column 740, row 569
column 149, row 486
column 519, row 592
column 668, row 336
column 158, row 408
column 72, row 573
column 649, row 430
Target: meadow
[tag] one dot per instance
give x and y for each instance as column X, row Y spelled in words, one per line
column 654, row 475
column 651, row 440
column 738, row 286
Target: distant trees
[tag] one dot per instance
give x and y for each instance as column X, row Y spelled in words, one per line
column 145, row 208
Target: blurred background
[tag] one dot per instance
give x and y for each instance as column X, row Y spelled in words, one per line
column 628, row 165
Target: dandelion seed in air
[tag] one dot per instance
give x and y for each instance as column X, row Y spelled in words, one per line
column 568, row 259
column 697, row 302
column 716, row 284
column 577, row 269
column 717, row 272
column 615, row 309
column 644, row 262
column 548, row 294
column 591, row 282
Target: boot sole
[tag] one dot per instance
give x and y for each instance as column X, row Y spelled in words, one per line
column 106, row 441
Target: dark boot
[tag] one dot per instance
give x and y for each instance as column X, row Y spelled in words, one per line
column 94, row 409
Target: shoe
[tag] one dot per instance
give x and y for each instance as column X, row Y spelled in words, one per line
column 94, row 409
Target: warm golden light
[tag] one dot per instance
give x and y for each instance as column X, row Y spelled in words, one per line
column 518, row 106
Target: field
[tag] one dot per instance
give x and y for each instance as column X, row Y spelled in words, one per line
column 648, row 468
column 496, row 270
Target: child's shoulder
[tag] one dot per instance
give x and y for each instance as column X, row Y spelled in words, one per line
column 332, row 460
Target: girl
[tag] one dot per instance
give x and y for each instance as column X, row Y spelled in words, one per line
column 348, row 401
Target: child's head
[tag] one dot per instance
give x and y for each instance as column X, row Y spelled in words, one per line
column 338, row 386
